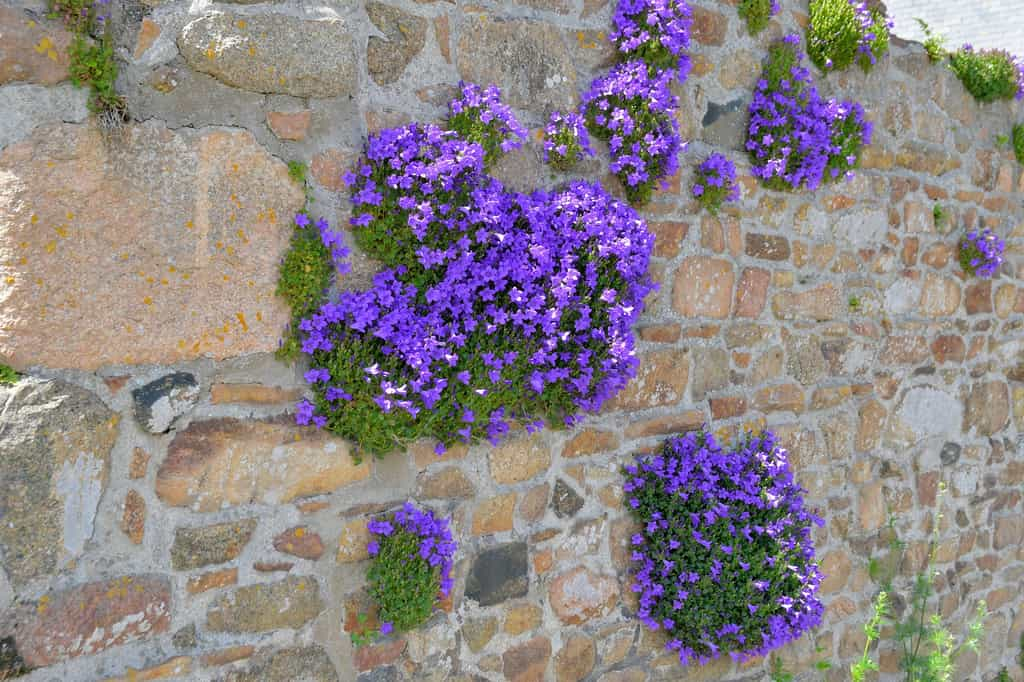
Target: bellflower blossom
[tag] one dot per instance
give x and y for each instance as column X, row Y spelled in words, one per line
column 724, row 562
column 656, row 31
column 566, row 140
column 413, row 552
column 989, row 75
column 635, row 112
column 715, row 183
column 981, row 253
column 478, row 115
column 795, row 138
column 492, row 307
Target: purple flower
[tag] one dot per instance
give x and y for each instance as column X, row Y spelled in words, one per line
column 715, row 183
column 301, row 219
column 656, row 30
column 715, row 495
column 981, row 253
column 386, row 627
column 566, row 140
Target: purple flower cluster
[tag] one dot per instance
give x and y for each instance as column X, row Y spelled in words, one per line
column 333, row 241
column 494, row 306
column 566, row 140
column 634, row 110
column 981, row 253
column 655, row 31
column 478, row 115
column 795, row 138
column 724, row 560
column 433, row 554
column 715, row 182
column 867, row 20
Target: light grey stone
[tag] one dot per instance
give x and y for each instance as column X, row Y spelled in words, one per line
column 24, row 107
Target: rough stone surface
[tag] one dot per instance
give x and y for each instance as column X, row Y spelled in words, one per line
column 34, row 50
column 161, row 247
column 304, row 664
column 133, row 521
column 580, row 594
column 519, row 460
column 273, row 53
column 404, row 37
column 23, row 108
column 527, row 662
column 90, row 618
column 703, row 287
column 300, row 542
column 289, row 603
column 195, row 547
column 162, row 401
column 499, row 574
column 565, row 501
column 528, row 60
column 55, row 443
column 223, row 462
column 575, row 660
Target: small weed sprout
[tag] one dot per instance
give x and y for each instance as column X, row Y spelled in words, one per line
column 934, row 43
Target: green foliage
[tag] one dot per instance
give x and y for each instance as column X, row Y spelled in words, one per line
column 1018, row 142
column 834, row 36
column 7, row 375
column 92, row 64
column 967, row 253
column 939, row 214
column 304, row 278
column 1004, row 675
column 934, row 44
column 988, row 76
column 757, row 14
column 928, row 650
column 854, row 303
column 78, row 15
column 1002, row 140
column 488, row 135
column 778, row 672
column 403, row 585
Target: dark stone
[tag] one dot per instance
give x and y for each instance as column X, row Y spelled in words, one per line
column 195, row 547
column 950, row 454
column 961, row 518
column 159, row 403
column 767, row 247
column 725, row 124
column 11, row 663
column 185, row 638
column 499, row 574
column 565, row 501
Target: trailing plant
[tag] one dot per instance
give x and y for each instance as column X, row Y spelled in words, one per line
column 928, row 650
column 412, row 552
column 989, row 75
column 566, row 140
column 981, row 253
column 479, row 116
column 7, row 374
column 656, row 32
column 634, row 111
column 795, row 139
column 934, row 44
column 1018, row 142
column 757, row 13
column 842, row 32
column 715, row 183
column 492, row 307
column 724, row 560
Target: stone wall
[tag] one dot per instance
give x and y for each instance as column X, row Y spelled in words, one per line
column 163, row 518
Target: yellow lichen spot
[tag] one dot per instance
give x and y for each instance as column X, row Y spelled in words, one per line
column 44, row 45
column 150, row 280
column 124, row 256
column 252, row 51
column 128, row 328
column 226, row 278
column 181, row 343
column 220, row 245
column 142, row 273
column 226, row 328
column 272, row 214
column 241, row 23
column 10, row 280
column 189, row 225
column 251, row 283
column 299, row 532
column 51, row 246
column 259, row 316
column 62, row 230
column 300, row 586
column 234, row 197
column 241, row 321
column 195, row 347
column 22, row 261
column 231, row 250
column 163, row 280
column 281, row 80
column 30, row 23
column 70, row 215
column 186, row 276
column 52, row 54
column 148, row 300
column 39, row 281
column 234, row 167
column 171, row 268
column 34, row 219
column 211, row 54
column 241, row 234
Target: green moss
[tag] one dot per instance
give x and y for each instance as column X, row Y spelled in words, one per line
column 7, row 375
column 757, row 14
column 988, row 76
column 934, row 44
column 1018, row 142
column 834, row 34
